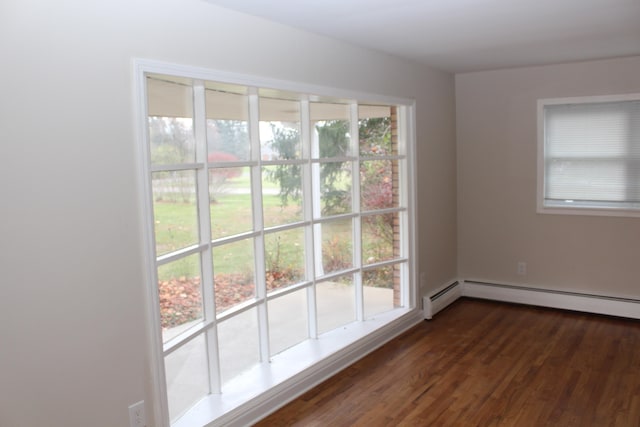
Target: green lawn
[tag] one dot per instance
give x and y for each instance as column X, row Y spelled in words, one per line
column 176, row 227
column 231, row 214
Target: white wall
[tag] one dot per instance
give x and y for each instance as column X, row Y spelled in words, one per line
column 72, row 336
column 498, row 225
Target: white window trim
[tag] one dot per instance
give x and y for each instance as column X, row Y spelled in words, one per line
column 337, row 349
column 581, row 210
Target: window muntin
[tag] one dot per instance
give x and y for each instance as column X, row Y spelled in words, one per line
column 589, row 155
column 296, row 308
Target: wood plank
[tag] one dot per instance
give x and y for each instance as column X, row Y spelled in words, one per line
column 488, row 364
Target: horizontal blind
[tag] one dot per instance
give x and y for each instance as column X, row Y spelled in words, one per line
column 592, row 154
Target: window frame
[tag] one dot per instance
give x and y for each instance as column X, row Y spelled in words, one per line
column 341, row 341
column 594, row 209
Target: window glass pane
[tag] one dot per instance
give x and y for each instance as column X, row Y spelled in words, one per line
column 284, row 257
column 588, row 130
column 378, row 184
column 288, row 323
column 378, row 289
column 336, row 238
column 187, row 376
column 305, row 192
column 227, row 125
column 175, row 210
column 592, row 154
column 233, row 268
column 379, row 241
column 180, row 294
column 334, row 182
column 231, row 205
column 280, row 129
column 282, row 194
column 586, row 179
column 172, row 140
column 170, row 108
column 336, row 303
column 238, row 343
column 330, row 126
column 374, row 129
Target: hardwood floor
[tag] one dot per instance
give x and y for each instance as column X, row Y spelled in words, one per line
column 481, row 363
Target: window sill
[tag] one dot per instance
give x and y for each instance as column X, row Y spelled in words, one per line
column 269, row 386
column 589, row 211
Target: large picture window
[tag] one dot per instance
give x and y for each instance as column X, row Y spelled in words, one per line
column 278, row 217
column 589, row 155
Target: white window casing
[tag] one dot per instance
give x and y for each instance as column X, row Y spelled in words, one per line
column 221, row 398
column 589, row 155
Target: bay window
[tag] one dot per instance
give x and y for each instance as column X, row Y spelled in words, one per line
column 277, row 217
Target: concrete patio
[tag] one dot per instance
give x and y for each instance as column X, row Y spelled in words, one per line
column 186, row 368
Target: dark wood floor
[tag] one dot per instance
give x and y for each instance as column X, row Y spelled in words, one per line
column 481, row 363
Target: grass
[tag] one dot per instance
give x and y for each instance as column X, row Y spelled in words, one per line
column 176, row 227
column 244, row 181
column 231, row 214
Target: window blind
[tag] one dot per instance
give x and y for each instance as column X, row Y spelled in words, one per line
column 592, row 154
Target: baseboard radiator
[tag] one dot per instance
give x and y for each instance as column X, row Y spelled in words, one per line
column 564, row 300
column 518, row 294
column 441, row 299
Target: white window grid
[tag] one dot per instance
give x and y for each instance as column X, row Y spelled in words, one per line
column 204, row 248
column 207, row 327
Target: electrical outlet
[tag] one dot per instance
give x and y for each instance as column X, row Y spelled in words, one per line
column 522, row 268
column 137, row 416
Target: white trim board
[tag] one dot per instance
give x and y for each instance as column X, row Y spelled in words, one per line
column 596, row 304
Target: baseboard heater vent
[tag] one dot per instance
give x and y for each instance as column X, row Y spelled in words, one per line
column 441, row 299
column 564, row 300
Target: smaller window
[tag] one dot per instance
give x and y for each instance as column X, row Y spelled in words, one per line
column 589, row 155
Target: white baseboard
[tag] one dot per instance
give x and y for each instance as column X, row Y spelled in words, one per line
column 597, row 304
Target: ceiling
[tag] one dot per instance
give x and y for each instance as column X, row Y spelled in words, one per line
column 467, row 35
